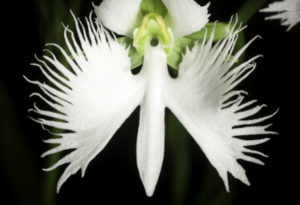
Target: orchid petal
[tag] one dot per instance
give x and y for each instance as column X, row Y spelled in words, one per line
column 121, row 17
column 288, row 11
column 185, row 16
column 98, row 95
column 203, row 100
column 150, row 142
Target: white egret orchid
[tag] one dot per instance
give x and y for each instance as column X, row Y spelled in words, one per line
column 95, row 91
column 288, row 11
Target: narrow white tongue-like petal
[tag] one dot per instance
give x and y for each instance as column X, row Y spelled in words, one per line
column 150, row 142
column 120, row 16
column 185, row 16
column 203, row 99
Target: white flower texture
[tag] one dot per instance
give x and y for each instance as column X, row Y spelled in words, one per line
column 92, row 99
column 288, row 11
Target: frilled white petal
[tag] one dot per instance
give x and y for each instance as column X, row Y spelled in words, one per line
column 185, row 16
column 288, row 11
column 203, row 99
column 120, row 16
column 91, row 99
column 150, row 142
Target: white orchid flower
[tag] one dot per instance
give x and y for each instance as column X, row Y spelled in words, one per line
column 288, row 11
column 95, row 91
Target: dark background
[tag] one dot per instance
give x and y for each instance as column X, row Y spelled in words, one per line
column 112, row 177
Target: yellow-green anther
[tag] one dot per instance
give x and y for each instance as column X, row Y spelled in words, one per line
column 153, row 26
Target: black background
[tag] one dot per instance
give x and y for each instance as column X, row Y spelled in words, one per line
column 112, row 177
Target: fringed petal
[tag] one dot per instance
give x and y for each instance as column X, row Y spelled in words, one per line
column 122, row 17
column 185, row 16
column 288, row 11
column 217, row 117
column 92, row 95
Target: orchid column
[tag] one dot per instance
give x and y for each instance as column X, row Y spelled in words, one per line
column 98, row 94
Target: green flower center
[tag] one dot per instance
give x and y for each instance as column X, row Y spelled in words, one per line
column 154, row 30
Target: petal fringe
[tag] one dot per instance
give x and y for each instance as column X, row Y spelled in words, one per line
column 92, row 95
column 203, row 99
column 288, row 11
